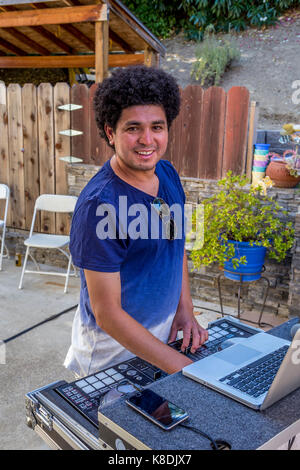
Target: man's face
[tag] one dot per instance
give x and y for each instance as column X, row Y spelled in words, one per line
column 141, row 136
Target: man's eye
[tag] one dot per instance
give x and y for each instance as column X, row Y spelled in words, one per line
column 132, row 129
column 158, row 128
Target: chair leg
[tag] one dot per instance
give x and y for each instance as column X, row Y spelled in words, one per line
column 24, row 267
column 34, row 261
column 1, row 253
column 2, row 248
column 68, row 274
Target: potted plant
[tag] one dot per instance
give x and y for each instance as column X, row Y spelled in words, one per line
column 284, row 170
column 240, row 221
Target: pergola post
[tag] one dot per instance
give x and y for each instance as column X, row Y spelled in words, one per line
column 151, row 58
column 101, row 50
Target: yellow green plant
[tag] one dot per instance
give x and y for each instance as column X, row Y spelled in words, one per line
column 242, row 214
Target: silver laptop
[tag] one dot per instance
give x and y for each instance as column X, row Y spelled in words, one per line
column 257, row 371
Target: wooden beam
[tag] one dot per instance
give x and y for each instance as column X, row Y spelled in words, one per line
column 75, row 32
column 101, row 50
column 120, row 41
column 45, row 33
column 12, row 47
column 68, row 61
column 54, row 16
column 122, row 60
column 72, row 2
column 81, row 37
column 69, row 28
column 17, row 2
column 26, row 40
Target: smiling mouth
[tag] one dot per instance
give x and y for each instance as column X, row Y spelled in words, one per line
column 145, row 154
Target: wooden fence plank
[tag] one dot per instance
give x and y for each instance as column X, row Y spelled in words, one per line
column 253, row 118
column 211, row 138
column 93, row 136
column 4, row 147
column 174, row 143
column 46, row 151
column 31, row 157
column 16, row 166
column 100, row 151
column 191, row 109
column 62, row 122
column 236, row 124
column 80, row 121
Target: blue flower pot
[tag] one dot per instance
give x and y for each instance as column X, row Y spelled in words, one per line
column 262, row 147
column 251, row 271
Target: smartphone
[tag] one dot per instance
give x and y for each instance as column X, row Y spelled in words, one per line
column 156, row 408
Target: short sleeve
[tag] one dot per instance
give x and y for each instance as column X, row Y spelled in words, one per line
column 94, row 239
column 170, row 170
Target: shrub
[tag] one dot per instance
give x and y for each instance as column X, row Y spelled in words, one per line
column 213, row 57
column 163, row 17
column 228, row 15
column 158, row 15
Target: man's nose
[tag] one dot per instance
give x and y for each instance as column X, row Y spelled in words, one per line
column 146, row 138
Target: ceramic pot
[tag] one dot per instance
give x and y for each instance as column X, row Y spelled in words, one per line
column 255, row 256
column 280, row 175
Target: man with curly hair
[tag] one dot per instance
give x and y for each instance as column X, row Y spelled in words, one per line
column 135, row 294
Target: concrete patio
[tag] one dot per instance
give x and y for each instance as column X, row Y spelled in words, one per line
column 35, row 359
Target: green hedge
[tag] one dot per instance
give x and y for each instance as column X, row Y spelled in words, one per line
column 164, row 17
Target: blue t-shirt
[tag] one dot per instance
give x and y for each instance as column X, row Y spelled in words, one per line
column 115, row 228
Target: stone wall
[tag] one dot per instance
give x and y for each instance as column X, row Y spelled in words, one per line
column 284, row 293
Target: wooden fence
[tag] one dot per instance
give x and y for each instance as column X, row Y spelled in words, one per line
column 208, row 138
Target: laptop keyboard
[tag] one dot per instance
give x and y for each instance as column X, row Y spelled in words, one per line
column 257, row 377
column 217, row 334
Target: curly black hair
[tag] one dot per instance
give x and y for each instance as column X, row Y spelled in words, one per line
column 131, row 86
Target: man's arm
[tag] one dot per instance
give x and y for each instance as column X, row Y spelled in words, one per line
column 105, row 297
column 184, row 319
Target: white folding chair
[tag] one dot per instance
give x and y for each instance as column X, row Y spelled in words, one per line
column 4, row 194
column 52, row 203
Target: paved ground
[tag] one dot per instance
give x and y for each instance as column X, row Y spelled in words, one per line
column 35, row 359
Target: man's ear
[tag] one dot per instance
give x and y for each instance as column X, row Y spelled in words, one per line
column 109, row 133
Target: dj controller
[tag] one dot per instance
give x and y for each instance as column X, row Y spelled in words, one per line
column 92, row 393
